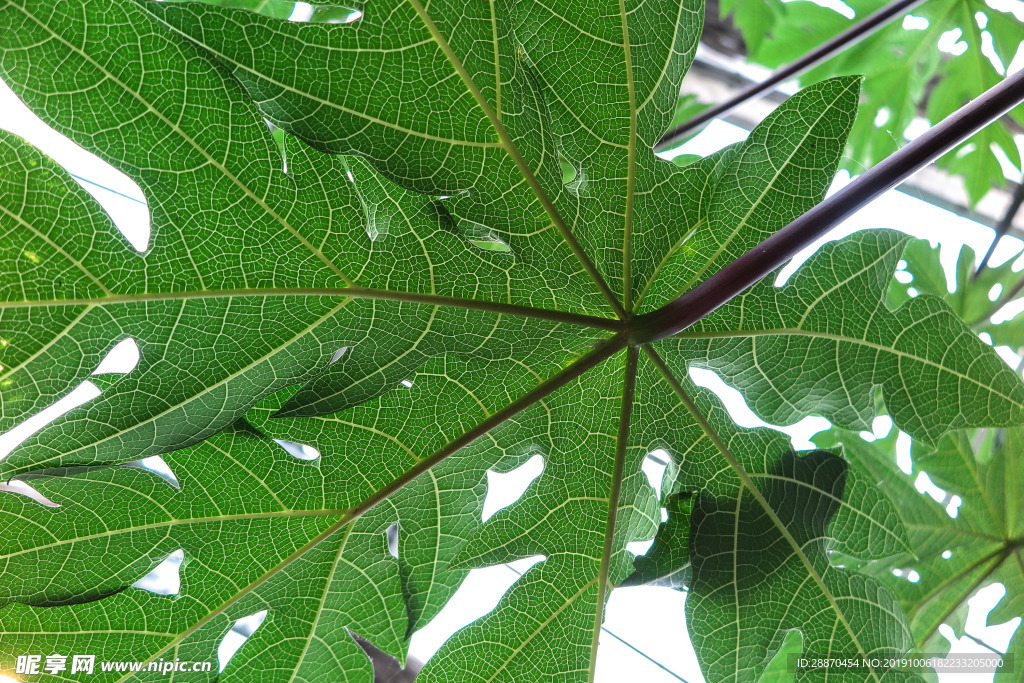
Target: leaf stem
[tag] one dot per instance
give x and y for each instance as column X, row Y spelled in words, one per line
column 999, row 556
column 1002, row 228
column 773, row 252
column 845, row 40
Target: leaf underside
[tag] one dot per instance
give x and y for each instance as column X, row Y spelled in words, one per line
column 347, row 300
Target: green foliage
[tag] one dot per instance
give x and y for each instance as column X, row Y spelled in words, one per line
column 977, row 297
column 904, row 72
column 953, row 556
column 352, row 300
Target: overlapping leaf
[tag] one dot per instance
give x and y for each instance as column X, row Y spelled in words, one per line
column 303, row 298
column 954, row 556
column 977, row 296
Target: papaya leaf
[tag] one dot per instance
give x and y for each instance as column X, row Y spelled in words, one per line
column 412, row 292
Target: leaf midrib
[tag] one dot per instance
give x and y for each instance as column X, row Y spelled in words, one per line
column 323, row 599
column 627, row 228
column 614, row 499
column 271, row 514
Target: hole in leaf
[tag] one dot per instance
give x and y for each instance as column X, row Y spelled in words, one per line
column 236, row 637
column 988, row 49
column 912, row 23
column 950, row 43
column 298, row 450
column 477, row 596
column 800, row 432
column 482, row 237
column 312, row 13
column 22, row 488
column 490, row 244
column 118, row 194
column 11, row 439
column 654, row 467
column 120, row 360
column 158, row 466
column 639, row 548
column 903, row 459
column 299, row 12
column 505, row 488
column 407, row 383
column 165, row 579
column 278, row 135
column 965, row 150
column 391, row 534
column 924, row 484
column 568, row 171
column 881, row 426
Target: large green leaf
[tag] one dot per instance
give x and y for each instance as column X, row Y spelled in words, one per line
column 421, row 296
